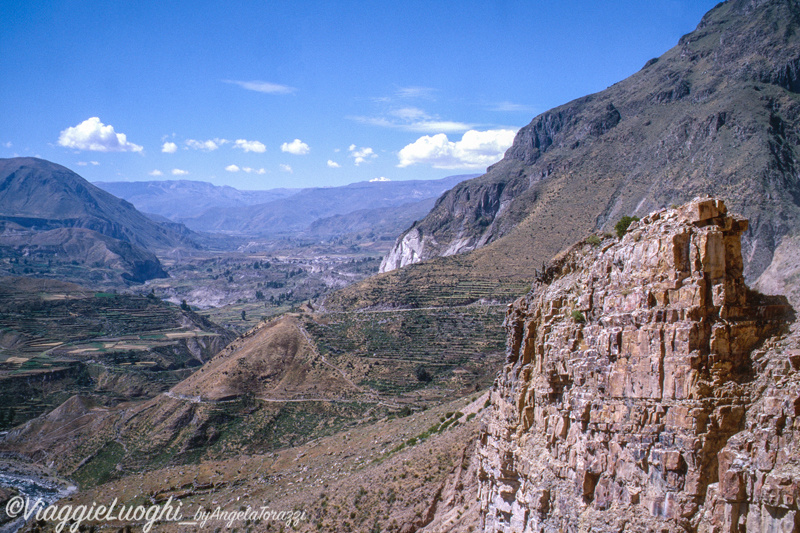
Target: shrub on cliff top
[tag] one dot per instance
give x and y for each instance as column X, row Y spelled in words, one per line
column 621, row 227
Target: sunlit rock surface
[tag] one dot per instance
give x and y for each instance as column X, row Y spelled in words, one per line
column 646, row 388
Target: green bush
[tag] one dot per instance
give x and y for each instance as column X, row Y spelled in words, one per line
column 577, row 316
column 621, row 227
column 594, row 240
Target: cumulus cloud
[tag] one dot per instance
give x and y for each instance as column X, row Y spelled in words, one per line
column 156, row 172
column 296, row 147
column 263, row 86
column 93, row 135
column 208, row 146
column 86, row 163
column 179, row 172
column 381, row 179
column 362, row 154
column 286, row 168
column 333, row 164
column 250, row 146
column 476, row 149
column 237, row 168
column 169, row 147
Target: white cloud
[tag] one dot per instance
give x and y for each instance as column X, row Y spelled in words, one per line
column 381, row 179
column 263, row 86
column 511, row 107
column 446, row 126
column 8, row 144
column 94, row 163
column 415, row 92
column 476, row 149
column 93, row 135
column 333, row 164
column 156, row 172
column 237, row 168
column 362, row 154
column 296, row 147
column 286, row 168
column 169, row 147
column 208, row 146
column 409, row 113
column 414, row 119
column 250, row 146
column 179, row 172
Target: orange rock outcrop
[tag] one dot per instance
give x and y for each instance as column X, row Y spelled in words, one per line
column 632, row 394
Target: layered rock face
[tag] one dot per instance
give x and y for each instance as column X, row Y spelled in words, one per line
column 631, row 398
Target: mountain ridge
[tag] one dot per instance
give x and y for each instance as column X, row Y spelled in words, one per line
column 34, row 192
column 184, row 198
column 69, row 228
column 718, row 113
column 297, row 212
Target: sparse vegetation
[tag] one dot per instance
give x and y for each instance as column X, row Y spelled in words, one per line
column 621, row 227
column 422, row 374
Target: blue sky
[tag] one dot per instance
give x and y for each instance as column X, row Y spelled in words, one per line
column 263, row 94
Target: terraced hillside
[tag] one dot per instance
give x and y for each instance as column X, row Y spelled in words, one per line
column 58, row 339
column 286, row 382
column 416, row 357
column 481, row 277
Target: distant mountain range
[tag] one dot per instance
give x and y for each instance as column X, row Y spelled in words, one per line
column 54, row 223
column 285, row 212
column 176, row 199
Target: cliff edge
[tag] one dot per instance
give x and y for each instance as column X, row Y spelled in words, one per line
column 646, row 388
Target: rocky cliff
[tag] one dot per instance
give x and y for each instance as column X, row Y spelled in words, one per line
column 718, row 114
column 646, row 388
